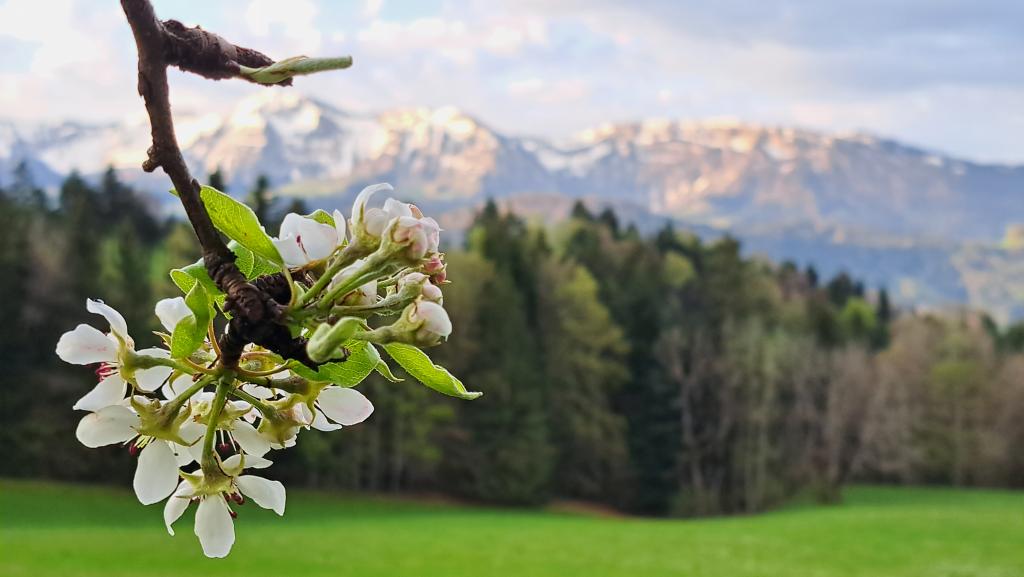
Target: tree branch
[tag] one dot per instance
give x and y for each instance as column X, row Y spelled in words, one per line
column 162, row 44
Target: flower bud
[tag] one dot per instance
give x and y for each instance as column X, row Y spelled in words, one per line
column 326, row 341
column 435, row 326
column 364, row 295
column 411, row 238
column 419, row 285
column 435, row 268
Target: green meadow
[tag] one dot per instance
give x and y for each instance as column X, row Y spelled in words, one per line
column 71, row 531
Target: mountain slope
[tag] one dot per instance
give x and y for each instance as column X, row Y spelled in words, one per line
column 913, row 220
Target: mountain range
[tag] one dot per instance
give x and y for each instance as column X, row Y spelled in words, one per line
column 936, row 231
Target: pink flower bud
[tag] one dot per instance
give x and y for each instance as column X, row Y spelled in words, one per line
column 427, row 290
column 436, row 324
column 435, row 268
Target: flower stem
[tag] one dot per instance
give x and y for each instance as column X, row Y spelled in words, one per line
column 197, row 386
column 209, row 463
column 246, row 374
column 371, row 268
column 262, row 407
column 147, row 362
column 345, row 258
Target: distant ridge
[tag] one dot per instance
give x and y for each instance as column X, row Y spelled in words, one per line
column 926, row 225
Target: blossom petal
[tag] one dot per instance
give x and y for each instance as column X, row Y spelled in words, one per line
column 345, row 406
column 267, row 494
column 157, row 473
column 257, row 391
column 177, row 504
column 191, row 431
column 109, row 391
column 249, row 439
column 339, row 226
column 290, row 251
column 150, row 380
column 396, row 208
column 214, row 528
column 321, row 423
column 171, row 312
column 109, row 425
column 254, row 462
column 234, row 462
column 317, row 240
column 118, row 326
column 375, row 221
column 86, row 345
column 181, row 455
column 176, row 386
column 195, row 450
column 364, row 197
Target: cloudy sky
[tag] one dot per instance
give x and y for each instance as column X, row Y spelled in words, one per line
column 943, row 74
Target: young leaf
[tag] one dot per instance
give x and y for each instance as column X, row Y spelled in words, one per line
column 419, row 366
column 322, row 216
column 239, row 223
column 190, row 332
column 361, row 361
column 186, row 277
column 383, row 369
column 251, row 264
column 294, row 66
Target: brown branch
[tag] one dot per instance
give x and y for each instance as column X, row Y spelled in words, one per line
column 170, row 43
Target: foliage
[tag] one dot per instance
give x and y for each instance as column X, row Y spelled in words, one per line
column 663, row 375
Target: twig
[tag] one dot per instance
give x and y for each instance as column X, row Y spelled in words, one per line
column 170, row 43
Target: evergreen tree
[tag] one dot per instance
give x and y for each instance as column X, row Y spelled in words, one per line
column 217, row 180
column 585, row 364
column 259, row 199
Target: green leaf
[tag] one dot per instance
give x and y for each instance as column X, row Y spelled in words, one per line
column 251, row 264
column 361, row 361
column 322, row 216
column 383, row 369
column 190, row 332
column 187, row 277
column 239, row 223
column 419, row 366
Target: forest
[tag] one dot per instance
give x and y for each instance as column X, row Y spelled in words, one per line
column 654, row 374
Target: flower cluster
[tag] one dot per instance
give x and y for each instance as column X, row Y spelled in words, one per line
column 196, row 424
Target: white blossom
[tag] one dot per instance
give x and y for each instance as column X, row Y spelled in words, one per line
column 86, row 345
column 213, row 524
column 156, row 472
column 303, row 240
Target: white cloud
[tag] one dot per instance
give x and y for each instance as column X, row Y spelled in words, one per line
column 561, row 91
column 509, row 37
column 371, row 8
column 437, row 36
column 292, row 25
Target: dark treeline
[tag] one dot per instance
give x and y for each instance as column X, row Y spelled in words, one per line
column 661, row 375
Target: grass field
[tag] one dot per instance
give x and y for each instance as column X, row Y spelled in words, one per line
column 71, row 531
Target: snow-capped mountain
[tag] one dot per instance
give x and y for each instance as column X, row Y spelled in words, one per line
column 841, row 201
